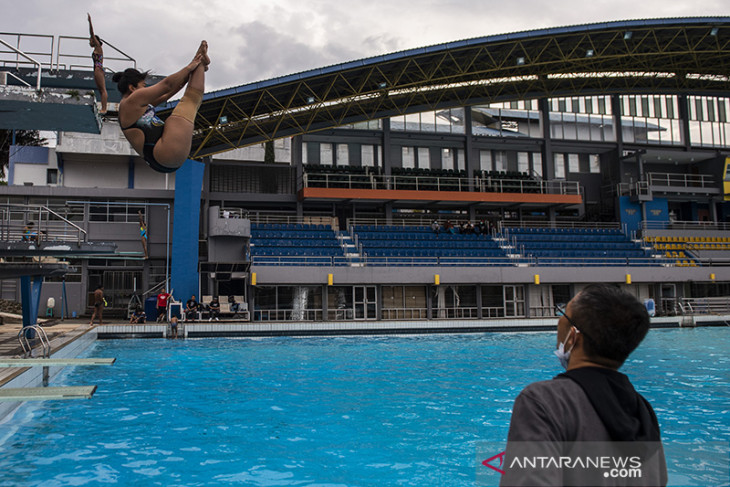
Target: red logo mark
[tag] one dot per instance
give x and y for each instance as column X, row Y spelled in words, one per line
column 501, row 459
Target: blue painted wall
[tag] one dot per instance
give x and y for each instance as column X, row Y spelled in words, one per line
column 186, row 222
column 657, row 211
column 630, row 214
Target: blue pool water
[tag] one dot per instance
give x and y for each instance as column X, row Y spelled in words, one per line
column 362, row 411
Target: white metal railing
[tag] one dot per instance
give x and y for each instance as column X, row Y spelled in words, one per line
column 434, row 183
column 686, row 225
column 287, row 315
column 48, row 225
column 30, row 59
column 506, row 224
column 53, row 55
column 681, row 180
column 716, row 305
column 62, row 55
column 404, row 313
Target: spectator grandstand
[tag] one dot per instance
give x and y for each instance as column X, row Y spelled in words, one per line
column 605, row 167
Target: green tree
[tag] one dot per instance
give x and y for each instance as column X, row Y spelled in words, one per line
column 22, row 137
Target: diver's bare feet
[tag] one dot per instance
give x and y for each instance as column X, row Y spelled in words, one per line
column 203, row 51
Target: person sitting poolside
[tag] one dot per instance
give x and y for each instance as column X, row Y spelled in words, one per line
column 214, row 309
column 191, row 308
column 165, row 146
column 232, row 304
column 138, row 317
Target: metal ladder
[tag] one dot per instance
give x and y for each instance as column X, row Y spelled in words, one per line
column 25, row 340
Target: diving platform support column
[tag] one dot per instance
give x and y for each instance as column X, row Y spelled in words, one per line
column 186, row 224
column 30, row 297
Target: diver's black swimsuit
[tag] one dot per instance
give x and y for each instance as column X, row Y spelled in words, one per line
column 152, row 127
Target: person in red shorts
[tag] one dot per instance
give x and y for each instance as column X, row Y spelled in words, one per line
column 162, row 300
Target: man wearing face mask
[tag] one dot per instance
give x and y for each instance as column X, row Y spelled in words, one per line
column 591, row 401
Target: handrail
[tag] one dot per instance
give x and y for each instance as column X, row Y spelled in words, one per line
column 25, row 340
column 7, row 230
column 439, row 183
column 126, row 57
column 81, row 230
column 37, row 63
column 21, row 80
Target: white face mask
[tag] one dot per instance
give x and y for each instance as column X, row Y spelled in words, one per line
column 562, row 354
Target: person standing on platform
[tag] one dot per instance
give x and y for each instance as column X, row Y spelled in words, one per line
column 98, row 59
column 143, row 233
column 162, row 300
column 99, row 302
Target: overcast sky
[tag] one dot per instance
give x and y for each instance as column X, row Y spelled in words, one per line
column 251, row 40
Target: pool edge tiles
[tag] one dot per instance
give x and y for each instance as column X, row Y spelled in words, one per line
column 333, row 328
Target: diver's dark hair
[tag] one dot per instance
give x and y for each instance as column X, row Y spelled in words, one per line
column 98, row 39
column 614, row 321
column 128, row 77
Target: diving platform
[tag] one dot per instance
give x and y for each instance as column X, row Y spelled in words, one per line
column 51, row 362
column 55, row 109
column 55, row 248
column 46, row 393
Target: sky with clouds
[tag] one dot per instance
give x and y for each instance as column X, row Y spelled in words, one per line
column 251, row 40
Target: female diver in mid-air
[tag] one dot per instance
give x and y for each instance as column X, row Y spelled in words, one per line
column 164, row 145
column 98, row 58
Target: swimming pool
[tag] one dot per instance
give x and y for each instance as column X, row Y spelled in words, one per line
column 332, row 411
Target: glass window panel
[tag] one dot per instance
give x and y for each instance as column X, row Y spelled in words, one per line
column 523, row 162
column 424, row 158
column 409, row 158
column 559, row 166
column 485, row 160
column 500, row 160
column 343, row 155
column 537, row 163
column 573, row 163
column 367, row 154
column 594, row 161
column 325, row 154
column 447, row 159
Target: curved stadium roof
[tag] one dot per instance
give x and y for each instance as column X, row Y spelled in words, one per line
column 681, row 55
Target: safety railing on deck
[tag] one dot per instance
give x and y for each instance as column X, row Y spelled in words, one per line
column 48, row 225
column 18, row 50
column 715, row 306
column 433, row 183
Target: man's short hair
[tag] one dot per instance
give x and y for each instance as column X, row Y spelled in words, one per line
column 614, row 322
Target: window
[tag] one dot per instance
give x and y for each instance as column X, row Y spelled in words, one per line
column 325, row 154
column 409, row 160
column 447, row 159
column 594, row 163
column 485, row 160
column 500, row 160
column 368, row 155
column 523, row 162
column 343, row 155
column 51, row 176
column 537, row 163
column 424, row 158
column 559, row 165
column 573, row 163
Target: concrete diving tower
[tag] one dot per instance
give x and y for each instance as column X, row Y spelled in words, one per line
column 28, row 234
